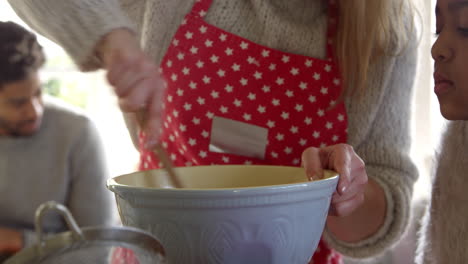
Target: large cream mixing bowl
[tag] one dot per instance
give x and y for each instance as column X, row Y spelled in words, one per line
column 228, row 214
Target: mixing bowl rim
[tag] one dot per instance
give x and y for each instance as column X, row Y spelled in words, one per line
column 112, row 184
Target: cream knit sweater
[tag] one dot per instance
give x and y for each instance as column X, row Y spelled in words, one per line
column 444, row 235
column 378, row 123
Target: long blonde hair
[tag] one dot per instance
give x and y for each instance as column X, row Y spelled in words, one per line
column 368, row 30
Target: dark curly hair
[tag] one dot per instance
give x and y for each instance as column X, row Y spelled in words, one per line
column 20, row 53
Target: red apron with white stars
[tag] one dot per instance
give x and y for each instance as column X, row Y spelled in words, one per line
column 213, row 73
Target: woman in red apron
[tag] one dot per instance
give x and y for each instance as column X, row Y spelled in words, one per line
column 217, row 82
column 232, row 101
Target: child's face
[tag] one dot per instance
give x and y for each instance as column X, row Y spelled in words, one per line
column 450, row 53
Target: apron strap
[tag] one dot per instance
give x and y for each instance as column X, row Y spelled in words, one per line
column 200, row 7
column 333, row 16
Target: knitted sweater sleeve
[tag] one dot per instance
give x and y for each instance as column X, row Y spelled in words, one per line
column 75, row 25
column 379, row 130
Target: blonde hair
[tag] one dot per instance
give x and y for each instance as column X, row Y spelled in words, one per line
column 367, row 31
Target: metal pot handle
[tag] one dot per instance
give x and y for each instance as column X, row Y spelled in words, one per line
column 54, row 206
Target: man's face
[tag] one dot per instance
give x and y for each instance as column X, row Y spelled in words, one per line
column 450, row 53
column 21, row 107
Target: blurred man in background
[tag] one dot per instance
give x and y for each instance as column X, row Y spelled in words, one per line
column 48, row 151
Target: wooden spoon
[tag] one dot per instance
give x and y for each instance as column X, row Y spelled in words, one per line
column 162, row 155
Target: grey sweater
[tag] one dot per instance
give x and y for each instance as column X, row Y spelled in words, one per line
column 63, row 162
column 444, row 235
column 378, row 123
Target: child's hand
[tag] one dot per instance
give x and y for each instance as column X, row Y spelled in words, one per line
column 135, row 79
column 353, row 177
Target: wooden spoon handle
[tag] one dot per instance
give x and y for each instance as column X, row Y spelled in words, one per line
column 167, row 164
column 162, row 154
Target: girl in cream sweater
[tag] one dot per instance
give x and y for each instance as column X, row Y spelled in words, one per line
column 444, row 237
